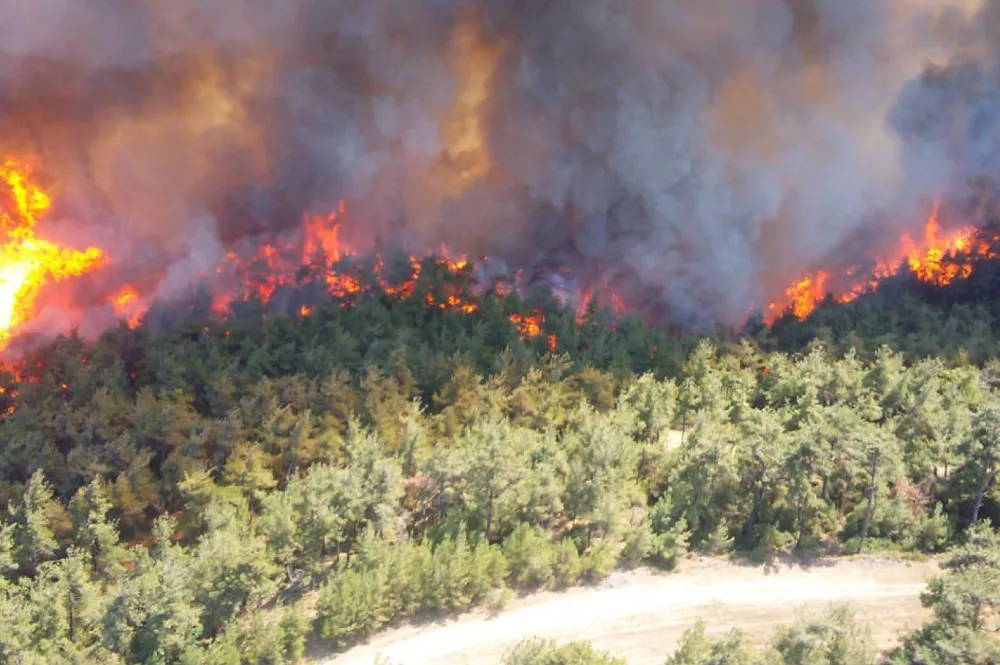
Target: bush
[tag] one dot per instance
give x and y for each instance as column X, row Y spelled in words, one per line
column 640, row 542
column 294, row 630
column 598, row 562
column 936, row 532
column 348, row 607
column 835, row 638
column 672, row 544
column 718, row 540
column 566, row 564
column 529, row 555
column 671, row 533
column 895, row 524
column 547, row 652
column 263, row 642
column 461, row 576
column 772, row 541
column 498, row 599
column 387, row 581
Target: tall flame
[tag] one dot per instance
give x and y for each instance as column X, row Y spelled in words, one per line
column 28, row 262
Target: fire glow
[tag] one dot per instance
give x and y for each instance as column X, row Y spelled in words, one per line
column 938, row 258
column 28, row 262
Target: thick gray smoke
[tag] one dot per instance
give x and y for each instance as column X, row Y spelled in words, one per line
column 949, row 117
column 698, row 154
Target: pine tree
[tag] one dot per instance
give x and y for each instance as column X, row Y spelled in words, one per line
column 36, row 541
column 94, row 534
column 982, row 454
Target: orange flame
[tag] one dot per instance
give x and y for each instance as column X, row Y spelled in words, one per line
column 929, row 265
column 529, row 326
column 128, row 306
column 28, row 262
column 937, row 258
column 607, row 298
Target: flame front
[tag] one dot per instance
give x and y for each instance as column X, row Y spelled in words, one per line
column 937, row 258
column 28, row 262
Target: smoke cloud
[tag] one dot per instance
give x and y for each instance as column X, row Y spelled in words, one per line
column 949, row 116
column 697, row 154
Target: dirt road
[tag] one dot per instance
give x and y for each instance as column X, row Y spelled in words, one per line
column 641, row 615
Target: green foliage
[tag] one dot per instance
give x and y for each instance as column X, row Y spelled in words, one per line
column 386, row 582
column 153, row 617
column 546, row 652
column 639, row 544
column 831, row 640
column 598, row 562
column 936, row 532
column 567, row 567
column 167, row 488
column 670, row 534
column 965, row 601
column 93, row 532
column 530, row 556
column 294, row 631
column 696, row 648
column 230, row 566
column 34, row 520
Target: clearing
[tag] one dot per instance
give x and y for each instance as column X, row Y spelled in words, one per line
column 640, row 615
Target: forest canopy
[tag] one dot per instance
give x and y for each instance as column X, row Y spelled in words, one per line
column 199, row 489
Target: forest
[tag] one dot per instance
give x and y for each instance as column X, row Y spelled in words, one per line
column 235, row 490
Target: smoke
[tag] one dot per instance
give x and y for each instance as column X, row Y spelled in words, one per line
column 949, row 116
column 696, row 154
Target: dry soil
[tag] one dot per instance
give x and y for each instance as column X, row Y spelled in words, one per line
column 640, row 615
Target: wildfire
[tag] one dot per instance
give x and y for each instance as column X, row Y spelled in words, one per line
column 530, row 326
column 317, row 255
column 28, row 262
column 128, row 306
column 930, row 266
column 807, row 292
column 937, row 258
column 615, row 302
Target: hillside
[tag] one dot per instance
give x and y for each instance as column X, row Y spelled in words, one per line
column 324, row 324
column 955, row 319
column 176, row 487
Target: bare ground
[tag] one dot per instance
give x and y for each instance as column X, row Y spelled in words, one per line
column 641, row 615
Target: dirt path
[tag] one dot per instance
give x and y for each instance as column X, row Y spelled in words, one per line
column 641, row 615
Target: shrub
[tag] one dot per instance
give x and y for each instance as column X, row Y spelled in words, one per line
column 547, row 652
column 529, row 556
column 566, row 565
column 598, row 562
